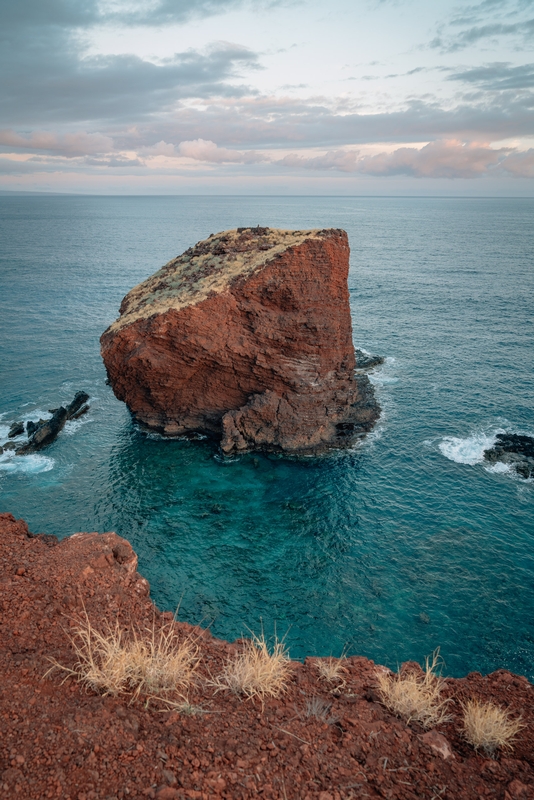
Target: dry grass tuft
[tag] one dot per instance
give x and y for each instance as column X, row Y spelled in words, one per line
column 332, row 670
column 413, row 696
column 256, row 671
column 488, row 727
column 153, row 662
column 319, row 709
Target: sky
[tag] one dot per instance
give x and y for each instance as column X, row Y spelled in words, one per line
column 298, row 97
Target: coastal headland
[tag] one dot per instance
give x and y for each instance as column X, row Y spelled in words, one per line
column 246, row 337
column 319, row 739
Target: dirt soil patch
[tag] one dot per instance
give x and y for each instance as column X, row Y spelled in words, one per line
column 322, row 740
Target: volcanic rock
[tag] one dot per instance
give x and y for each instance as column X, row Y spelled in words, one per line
column 45, row 433
column 78, row 406
column 31, row 427
column 245, row 337
column 16, row 429
column 515, row 450
column 366, row 361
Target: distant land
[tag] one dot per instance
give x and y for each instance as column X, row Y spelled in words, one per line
column 9, row 192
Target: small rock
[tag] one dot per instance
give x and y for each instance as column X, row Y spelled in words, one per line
column 80, row 399
column 16, row 429
column 31, row 427
column 168, row 793
column 83, row 410
column 424, row 618
column 10, row 446
column 438, row 743
column 170, row 777
column 518, row 791
column 365, row 361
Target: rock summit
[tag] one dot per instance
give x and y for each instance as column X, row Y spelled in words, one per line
column 245, row 337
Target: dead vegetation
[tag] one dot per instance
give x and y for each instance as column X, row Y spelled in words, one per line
column 318, row 709
column 332, row 671
column 154, row 662
column 488, row 727
column 415, row 696
column 256, row 670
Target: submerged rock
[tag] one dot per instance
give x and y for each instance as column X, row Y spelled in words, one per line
column 365, row 361
column 515, row 450
column 245, row 337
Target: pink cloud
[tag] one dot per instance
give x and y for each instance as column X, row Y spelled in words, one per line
column 69, row 144
column 341, row 160
column 206, row 150
column 445, row 158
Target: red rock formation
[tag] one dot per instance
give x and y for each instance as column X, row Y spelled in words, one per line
column 246, row 337
column 320, row 740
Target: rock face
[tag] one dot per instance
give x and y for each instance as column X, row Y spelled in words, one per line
column 245, row 337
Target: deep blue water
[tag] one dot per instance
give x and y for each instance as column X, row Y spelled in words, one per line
column 389, row 550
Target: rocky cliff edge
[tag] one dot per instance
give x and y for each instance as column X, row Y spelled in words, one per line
column 318, row 741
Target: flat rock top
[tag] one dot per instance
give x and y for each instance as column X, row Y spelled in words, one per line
column 208, row 267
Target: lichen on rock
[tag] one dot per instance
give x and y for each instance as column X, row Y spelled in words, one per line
column 245, row 337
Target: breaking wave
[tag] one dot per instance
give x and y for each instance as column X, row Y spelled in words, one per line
column 469, row 450
column 31, row 464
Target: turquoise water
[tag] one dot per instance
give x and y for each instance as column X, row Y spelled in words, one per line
column 389, row 550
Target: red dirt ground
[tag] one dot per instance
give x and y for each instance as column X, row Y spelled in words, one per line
column 59, row 740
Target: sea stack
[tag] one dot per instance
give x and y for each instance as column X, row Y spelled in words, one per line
column 246, row 337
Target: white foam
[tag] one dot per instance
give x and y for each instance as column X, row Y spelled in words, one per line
column 382, row 375
column 469, row 450
column 31, row 464
column 73, row 425
column 499, row 467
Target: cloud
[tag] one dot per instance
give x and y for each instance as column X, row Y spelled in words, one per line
column 161, row 148
column 486, row 21
column 48, row 77
column 340, row 160
column 441, row 159
column 205, row 150
column 475, row 34
column 261, row 122
column 520, row 165
column 498, row 76
column 70, row 144
column 84, row 13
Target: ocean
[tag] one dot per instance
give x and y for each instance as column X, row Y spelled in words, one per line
column 408, row 541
